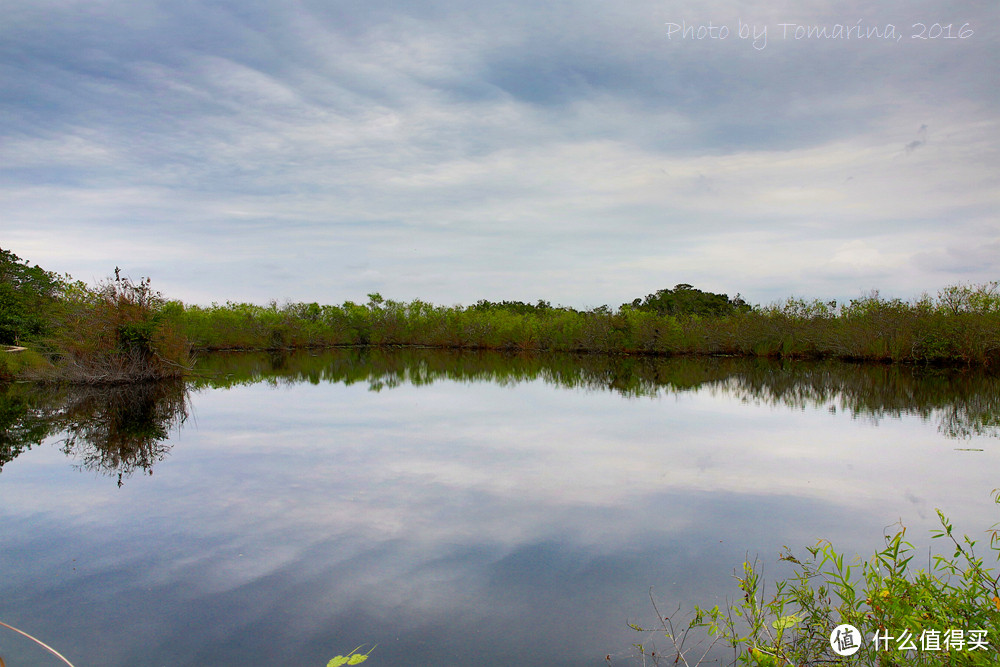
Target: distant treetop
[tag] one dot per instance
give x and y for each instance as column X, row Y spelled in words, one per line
column 685, row 299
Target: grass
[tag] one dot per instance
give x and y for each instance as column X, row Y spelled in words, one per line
column 20, row 363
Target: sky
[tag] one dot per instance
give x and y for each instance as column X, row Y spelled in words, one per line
column 581, row 152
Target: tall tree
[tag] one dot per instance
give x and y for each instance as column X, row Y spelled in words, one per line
column 27, row 294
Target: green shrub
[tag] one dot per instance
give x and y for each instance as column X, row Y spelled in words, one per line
column 946, row 614
column 120, row 331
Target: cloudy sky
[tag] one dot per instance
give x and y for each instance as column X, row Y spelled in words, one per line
column 578, row 151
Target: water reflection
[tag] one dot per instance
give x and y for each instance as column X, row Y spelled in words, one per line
column 463, row 521
column 114, row 431
column 121, row 429
column 963, row 403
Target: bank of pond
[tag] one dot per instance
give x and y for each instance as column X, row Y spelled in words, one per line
column 128, row 348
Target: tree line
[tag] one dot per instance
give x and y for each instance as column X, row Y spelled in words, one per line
column 123, row 330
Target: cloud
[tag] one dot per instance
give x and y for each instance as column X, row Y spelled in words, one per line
column 978, row 256
column 473, row 150
column 917, row 143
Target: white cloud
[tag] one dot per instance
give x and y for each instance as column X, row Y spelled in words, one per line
column 470, row 152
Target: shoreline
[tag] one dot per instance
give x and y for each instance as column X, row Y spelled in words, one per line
column 75, row 378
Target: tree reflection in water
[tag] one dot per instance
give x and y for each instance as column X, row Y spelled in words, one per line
column 121, row 429
column 114, row 430
column 962, row 402
column 125, row 428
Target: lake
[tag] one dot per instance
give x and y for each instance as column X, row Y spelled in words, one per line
column 455, row 508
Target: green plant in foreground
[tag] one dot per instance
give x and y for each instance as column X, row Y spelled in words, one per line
column 352, row 658
column 945, row 614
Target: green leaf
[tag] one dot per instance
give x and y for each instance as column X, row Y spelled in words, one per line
column 357, row 659
column 786, row 622
column 337, row 661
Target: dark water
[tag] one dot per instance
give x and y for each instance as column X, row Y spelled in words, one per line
column 454, row 508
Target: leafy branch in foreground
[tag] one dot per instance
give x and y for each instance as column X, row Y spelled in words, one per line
column 352, row 658
column 946, row 614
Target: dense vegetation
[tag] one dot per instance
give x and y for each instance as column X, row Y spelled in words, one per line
column 28, row 295
column 684, row 300
column 122, row 330
column 962, row 325
column 118, row 331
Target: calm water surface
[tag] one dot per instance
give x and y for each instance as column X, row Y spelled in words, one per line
column 454, row 508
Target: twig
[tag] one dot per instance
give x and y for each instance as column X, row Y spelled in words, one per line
column 39, row 642
column 668, row 627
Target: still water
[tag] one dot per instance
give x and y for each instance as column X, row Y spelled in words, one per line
column 454, row 508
